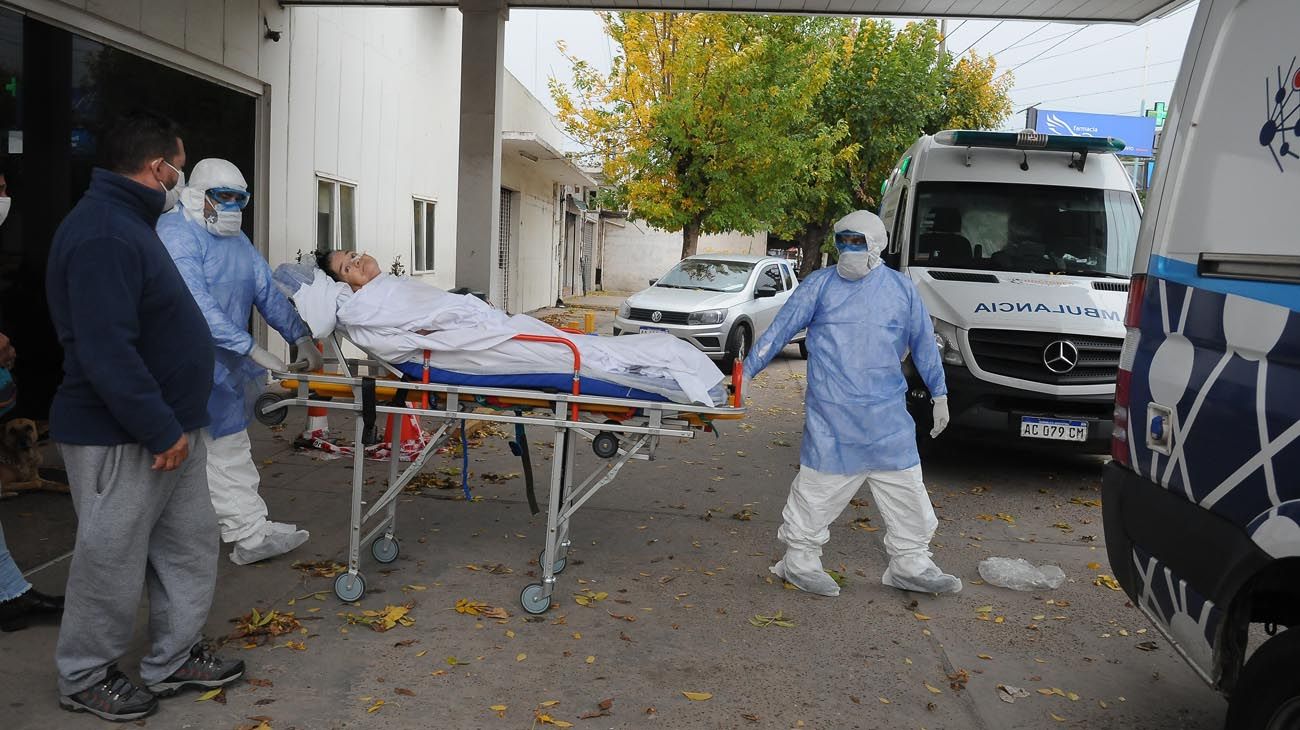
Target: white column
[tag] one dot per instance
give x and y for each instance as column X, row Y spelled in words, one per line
column 478, row 202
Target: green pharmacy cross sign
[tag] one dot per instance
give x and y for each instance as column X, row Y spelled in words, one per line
column 1158, row 112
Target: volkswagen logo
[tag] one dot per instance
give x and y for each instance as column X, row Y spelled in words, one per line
column 658, row 316
column 1061, row 356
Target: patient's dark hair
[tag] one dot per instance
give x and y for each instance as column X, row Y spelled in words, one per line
column 323, row 261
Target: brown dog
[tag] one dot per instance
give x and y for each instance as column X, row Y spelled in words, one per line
column 20, row 460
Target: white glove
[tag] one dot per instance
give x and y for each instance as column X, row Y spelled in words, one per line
column 940, row 416
column 266, row 359
column 309, row 358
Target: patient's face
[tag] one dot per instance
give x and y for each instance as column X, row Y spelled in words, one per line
column 355, row 269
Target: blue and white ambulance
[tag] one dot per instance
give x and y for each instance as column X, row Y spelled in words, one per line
column 1202, row 498
column 1020, row 245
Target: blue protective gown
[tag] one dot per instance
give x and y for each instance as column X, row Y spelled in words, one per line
column 858, row 334
column 227, row 277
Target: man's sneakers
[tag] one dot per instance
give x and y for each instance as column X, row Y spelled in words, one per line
column 203, row 670
column 115, row 698
column 273, row 539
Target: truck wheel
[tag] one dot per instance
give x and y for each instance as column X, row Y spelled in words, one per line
column 738, row 343
column 1267, row 695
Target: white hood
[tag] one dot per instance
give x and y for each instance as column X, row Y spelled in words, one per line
column 1037, row 302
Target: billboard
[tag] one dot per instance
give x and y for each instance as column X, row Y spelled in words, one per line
column 1138, row 133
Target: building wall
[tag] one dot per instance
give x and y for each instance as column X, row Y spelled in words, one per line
column 633, row 253
column 370, row 100
column 537, row 222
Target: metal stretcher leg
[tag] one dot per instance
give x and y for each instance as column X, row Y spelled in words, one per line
column 385, row 547
column 566, row 500
column 536, row 597
column 350, row 586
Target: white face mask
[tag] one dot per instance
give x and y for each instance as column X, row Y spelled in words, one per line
column 854, row 265
column 5, row 202
column 174, row 194
column 224, row 222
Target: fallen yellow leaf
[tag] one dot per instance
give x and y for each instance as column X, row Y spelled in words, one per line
column 520, row 657
column 933, row 690
column 884, row 701
column 591, row 660
column 209, row 695
column 697, row 696
column 497, row 708
column 550, row 703
column 1057, row 717
column 983, row 656
column 1107, row 581
column 921, row 617
column 1094, row 566
column 375, row 707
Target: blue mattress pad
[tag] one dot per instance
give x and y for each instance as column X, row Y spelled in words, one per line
column 549, row 382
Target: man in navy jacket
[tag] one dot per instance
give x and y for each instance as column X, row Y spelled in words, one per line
column 137, row 370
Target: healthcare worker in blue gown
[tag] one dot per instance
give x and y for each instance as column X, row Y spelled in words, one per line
column 862, row 319
column 228, row 277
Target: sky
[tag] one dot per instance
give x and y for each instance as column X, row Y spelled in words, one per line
column 1105, row 69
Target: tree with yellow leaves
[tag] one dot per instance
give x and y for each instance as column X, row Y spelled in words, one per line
column 889, row 86
column 704, row 120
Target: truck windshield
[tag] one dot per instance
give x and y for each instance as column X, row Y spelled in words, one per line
column 708, row 275
column 1038, row 229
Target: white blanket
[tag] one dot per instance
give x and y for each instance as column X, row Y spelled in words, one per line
column 466, row 335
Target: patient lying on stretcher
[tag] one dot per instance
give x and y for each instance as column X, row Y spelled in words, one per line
column 399, row 318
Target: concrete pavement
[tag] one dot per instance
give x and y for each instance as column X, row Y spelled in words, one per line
column 680, row 546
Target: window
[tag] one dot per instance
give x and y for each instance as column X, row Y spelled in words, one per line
column 1029, row 228
column 707, row 275
column 771, row 277
column 785, row 274
column 422, row 211
column 336, row 222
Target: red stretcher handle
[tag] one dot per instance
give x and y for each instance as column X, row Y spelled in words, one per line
column 577, row 361
column 737, row 380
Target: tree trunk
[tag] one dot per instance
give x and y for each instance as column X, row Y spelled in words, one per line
column 690, row 238
column 810, row 242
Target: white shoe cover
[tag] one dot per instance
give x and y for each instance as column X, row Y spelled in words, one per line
column 806, row 578
column 919, row 574
column 266, row 544
column 281, row 527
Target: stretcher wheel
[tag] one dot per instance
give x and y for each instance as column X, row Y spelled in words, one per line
column 605, row 445
column 560, row 562
column 385, row 549
column 534, row 600
column 273, row 418
column 349, row 587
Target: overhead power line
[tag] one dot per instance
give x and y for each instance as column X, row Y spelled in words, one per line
column 1019, row 89
column 1107, row 91
column 1040, row 53
column 1022, row 39
column 977, row 40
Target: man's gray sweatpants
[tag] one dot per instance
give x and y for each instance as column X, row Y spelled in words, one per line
column 136, row 527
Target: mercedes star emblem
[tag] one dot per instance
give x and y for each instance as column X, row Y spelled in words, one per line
column 1061, row 356
column 657, row 316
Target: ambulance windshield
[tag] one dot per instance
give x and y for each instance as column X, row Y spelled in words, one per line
column 1036, row 229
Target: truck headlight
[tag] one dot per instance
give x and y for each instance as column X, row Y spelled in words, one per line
column 945, row 338
column 625, row 310
column 709, row 316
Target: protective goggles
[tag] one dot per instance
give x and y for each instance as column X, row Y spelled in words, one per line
column 850, row 241
column 228, row 198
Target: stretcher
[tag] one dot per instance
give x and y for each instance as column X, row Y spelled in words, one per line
column 619, row 429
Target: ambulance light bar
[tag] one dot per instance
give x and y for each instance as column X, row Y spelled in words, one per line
column 1029, row 140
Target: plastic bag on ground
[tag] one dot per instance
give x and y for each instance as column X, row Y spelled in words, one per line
column 1020, row 574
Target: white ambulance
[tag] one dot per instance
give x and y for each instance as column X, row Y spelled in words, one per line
column 1021, row 245
column 1202, row 498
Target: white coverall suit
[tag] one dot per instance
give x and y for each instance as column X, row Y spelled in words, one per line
column 227, row 277
column 862, row 319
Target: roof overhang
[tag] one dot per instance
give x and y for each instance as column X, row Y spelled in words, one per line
column 530, row 149
column 1061, row 11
